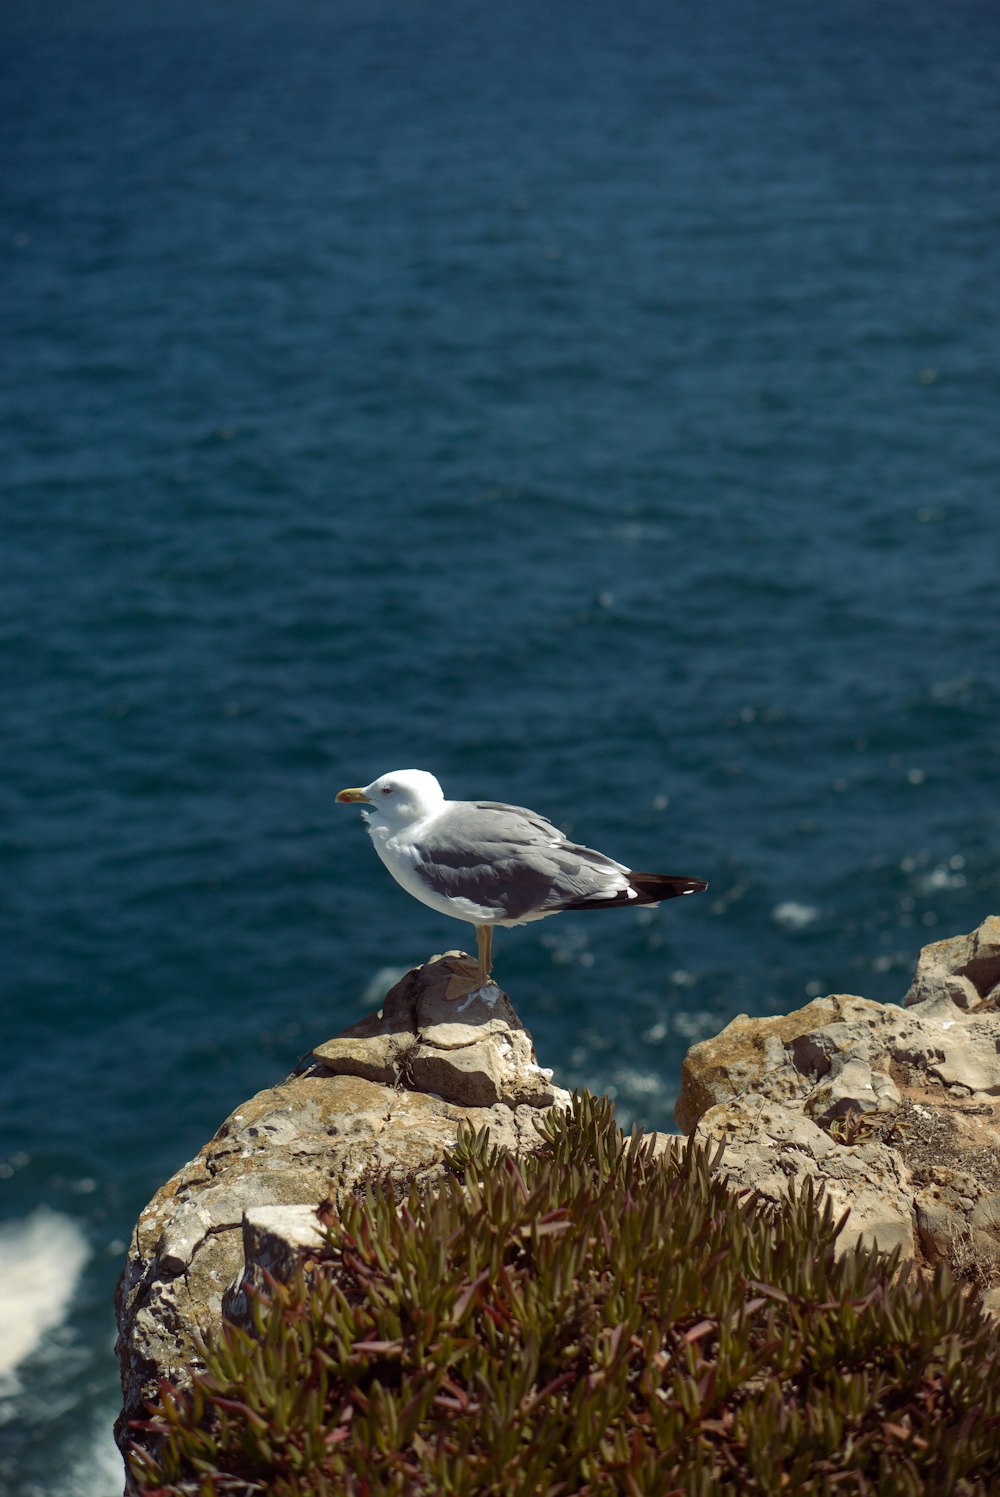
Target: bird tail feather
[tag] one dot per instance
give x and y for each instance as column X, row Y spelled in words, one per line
column 649, row 888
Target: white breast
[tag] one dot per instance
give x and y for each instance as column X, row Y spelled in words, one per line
column 398, row 852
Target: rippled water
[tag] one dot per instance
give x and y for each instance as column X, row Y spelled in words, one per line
column 596, row 406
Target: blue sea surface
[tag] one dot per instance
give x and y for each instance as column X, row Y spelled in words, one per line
column 596, row 405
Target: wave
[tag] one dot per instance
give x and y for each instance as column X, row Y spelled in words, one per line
column 98, row 1469
column 41, row 1259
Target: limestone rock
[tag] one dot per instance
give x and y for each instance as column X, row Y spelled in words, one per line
column 894, row 1110
column 958, row 1221
column 768, row 1145
column 747, row 1050
column 829, row 1041
column 385, row 1099
column 274, row 1237
column 965, row 969
column 991, row 1302
column 474, row 1051
column 942, row 1208
column 853, row 1087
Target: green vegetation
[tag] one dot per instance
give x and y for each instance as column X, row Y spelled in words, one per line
column 591, row 1320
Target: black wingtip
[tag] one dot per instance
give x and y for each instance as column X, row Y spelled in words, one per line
column 654, row 887
column 644, row 888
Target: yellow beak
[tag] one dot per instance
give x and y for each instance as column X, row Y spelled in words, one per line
column 351, row 795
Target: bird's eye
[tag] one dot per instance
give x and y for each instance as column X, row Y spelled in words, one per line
column 386, row 789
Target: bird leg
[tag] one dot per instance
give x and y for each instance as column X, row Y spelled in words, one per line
column 473, row 975
column 484, row 951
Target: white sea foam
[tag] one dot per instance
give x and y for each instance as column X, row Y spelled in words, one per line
column 98, row 1470
column 41, row 1259
column 794, row 916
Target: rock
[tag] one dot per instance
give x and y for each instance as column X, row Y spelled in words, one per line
column 853, row 1087
column 984, row 1229
column 747, row 1050
column 827, row 1043
column 894, row 1110
column 965, row 969
column 769, row 1144
column 274, row 1237
column 385, row 1099
column 991, row 1303
column 474, row 1052
column 941, row 1209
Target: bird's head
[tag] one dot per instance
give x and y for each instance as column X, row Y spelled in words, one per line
column 402, row 796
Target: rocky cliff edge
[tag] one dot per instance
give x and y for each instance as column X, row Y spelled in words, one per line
column 893, row 1109
column 384, row 1099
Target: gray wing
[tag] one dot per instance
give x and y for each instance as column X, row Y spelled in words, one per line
column 510, row 860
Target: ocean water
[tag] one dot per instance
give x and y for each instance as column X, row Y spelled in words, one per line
column 596, row 405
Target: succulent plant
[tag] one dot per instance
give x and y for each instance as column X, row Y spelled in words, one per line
column 588, row 1320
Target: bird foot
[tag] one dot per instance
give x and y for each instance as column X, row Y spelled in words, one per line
column 464, row 976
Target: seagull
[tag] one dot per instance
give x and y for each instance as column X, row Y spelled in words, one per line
column 493, row 864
